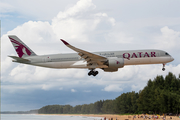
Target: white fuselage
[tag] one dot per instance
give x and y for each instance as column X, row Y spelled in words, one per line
column 109, row 61
column 73, row 60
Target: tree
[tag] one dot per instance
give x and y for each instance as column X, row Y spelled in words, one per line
column 108, row 107
column 161, row 95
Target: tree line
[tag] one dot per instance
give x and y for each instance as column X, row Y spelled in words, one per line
column 161, row 95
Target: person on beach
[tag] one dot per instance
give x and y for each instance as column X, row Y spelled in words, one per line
column 163, row 118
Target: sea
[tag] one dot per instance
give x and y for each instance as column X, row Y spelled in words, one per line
column 45, row 117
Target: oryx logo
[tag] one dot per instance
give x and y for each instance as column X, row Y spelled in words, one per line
column 117, row 62
column 20, row 48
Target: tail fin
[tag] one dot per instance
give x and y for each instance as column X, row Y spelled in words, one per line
column 22, row 49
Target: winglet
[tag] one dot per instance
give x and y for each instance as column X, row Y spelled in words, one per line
column 66, row 43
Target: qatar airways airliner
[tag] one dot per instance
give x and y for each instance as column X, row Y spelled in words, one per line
column 109, row 61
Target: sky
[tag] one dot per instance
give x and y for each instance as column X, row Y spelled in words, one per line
column 91, row 25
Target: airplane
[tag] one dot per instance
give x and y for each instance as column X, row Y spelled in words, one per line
column 109, row 61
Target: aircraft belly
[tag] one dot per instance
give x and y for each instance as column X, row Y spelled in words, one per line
column 48, row 64
column 148, row 60
column 159, row 60
column 137, row 61
column 59, row 65
column 74, row 64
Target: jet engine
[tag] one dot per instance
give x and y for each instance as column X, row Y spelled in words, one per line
column 113, row 64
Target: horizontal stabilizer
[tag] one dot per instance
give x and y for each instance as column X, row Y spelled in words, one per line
column 18, row 59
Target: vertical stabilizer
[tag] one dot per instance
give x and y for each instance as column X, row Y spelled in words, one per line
column 22, row 49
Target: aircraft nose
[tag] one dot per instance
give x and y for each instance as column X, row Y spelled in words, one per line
column 171, row 58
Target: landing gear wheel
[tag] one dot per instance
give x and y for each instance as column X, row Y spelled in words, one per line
column 92, row 72
column 95, row 73
column 163, row 69
column 89, row 73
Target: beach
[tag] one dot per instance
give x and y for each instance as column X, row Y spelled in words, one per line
column 118, row 117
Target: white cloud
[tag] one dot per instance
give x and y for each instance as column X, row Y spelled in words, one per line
column 73, row 90
column 92, row 26
column 87, row 91
column 73, row 24
column 70, row 24
column 113, row 88
column 16, row 88
column 81, row 24
column 46, row 87
column 169, row 39
column 61, row 88
column 81, row 7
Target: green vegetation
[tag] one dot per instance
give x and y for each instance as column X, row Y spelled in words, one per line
column 20, row 112
column 162, row 95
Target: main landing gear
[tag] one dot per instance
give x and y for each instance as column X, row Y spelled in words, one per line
column 93, row 72
column 163, row 69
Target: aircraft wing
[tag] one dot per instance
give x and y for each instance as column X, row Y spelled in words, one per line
column 93, row 60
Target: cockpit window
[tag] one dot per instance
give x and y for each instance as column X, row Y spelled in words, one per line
column 166, row 54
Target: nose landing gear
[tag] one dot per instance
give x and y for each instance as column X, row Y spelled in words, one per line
column 93, row 72
column 163, row 69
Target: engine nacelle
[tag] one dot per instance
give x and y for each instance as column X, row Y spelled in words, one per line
column 114, row 64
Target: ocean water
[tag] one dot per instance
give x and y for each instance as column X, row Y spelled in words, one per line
column 45, row 117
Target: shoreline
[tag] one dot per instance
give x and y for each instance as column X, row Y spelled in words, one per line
column 115, row 116
column 108, row 116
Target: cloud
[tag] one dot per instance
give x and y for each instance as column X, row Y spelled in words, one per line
column 72, row 24
column 75, row 25
column 88, row 27
column 87, row 91
column 61, row 88
column 73, row 90
column 81, row 7
column 113, row 88
column 169, row 39
column 46, row 87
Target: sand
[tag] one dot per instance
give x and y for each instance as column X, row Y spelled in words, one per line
column 116, row 117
